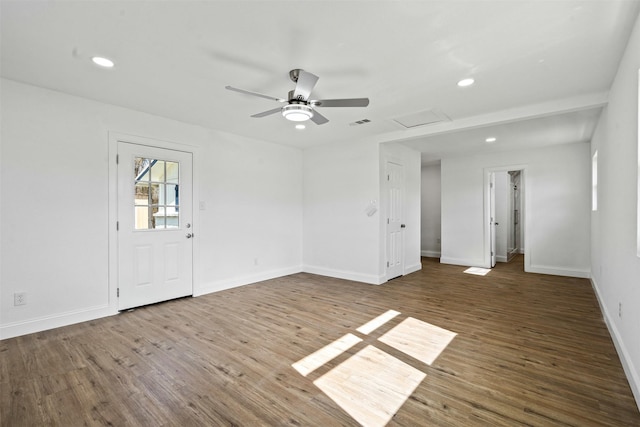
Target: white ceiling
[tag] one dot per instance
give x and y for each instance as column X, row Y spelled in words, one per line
column 542, row 68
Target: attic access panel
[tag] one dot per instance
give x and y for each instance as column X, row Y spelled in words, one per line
column 422, row 118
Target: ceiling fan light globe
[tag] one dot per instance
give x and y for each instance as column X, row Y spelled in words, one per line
column 297, row 112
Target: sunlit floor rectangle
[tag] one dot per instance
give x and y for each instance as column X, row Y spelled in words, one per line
column 313, row 361
column 371, row 385
column 418, row 339
column 478, row 271
column 374, row 324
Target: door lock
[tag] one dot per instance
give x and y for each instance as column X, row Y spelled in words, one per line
column 189, row 235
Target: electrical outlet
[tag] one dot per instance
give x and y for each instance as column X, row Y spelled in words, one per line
column 20, row 298
column 619, row 309
column 255, row 261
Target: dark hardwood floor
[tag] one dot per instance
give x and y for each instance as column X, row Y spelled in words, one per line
column 530, row 349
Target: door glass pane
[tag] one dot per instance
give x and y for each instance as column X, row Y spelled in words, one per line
column 142, row 193
column 172, row 172
column 159, row 221
column 156, row 202
column 156, row 190
column 141, row 166
column 172, row 195
column 153, row 214
column 141, row 217
column 157, row 171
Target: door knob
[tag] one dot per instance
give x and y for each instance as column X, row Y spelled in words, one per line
column 189, row 235
column 402, row 225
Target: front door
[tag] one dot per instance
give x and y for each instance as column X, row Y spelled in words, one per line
column 154, row 225
column 395, row 227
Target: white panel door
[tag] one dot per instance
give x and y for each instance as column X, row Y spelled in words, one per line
column 395, row 227
column 492, row 216
column 154, row 225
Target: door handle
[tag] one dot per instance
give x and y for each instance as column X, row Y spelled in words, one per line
column 402, row 226
column 189, row 235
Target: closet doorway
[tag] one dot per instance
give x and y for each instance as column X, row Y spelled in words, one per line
column 505, row 214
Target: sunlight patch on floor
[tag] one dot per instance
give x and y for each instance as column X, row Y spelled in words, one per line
column 478, row 271
column 371, row 385
column 418, row 339
column 325, row 354
column 374, row 324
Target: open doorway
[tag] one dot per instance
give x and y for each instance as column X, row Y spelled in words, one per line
column 505, row 216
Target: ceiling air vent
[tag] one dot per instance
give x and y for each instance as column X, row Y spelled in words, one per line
column 422, row 118
column 360, row 122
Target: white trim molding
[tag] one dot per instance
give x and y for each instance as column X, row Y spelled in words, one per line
column 430, row 254
column 221, row 285
column 630, row 370
column 559, row 271
column 346, row 275
column 58, row 320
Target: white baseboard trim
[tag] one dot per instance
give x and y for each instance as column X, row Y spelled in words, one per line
column 627, row 363
column 412, row 268
column 44, row 323
column 430, row 254
column 234, row 282
column 346, row 275
column 559, row 271
column 463, row 262
column 500, row 258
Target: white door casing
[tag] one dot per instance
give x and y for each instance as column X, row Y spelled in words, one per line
column 523, row 214
column 155, row 250
column 395, row 226
column 492, row 216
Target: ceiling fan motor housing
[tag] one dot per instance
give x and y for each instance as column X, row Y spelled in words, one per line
column 294, row 74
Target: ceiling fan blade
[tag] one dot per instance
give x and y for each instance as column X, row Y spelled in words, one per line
column 306, row 83
column 267, row 113
column 318, row 118
column 347, row 102
column 273, row 98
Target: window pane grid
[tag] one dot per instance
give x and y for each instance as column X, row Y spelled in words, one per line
column 156, row 194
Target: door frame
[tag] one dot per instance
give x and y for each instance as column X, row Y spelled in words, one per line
column 524, row 214
column 403, row 208
column 114, row 138
column 492, row 220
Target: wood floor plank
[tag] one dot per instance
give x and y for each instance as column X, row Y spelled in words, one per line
column 528, row 349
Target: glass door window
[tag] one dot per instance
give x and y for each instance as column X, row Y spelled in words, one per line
column 156, row 201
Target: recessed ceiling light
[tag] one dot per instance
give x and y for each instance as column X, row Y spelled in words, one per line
column 490, row 139
column 466, row 82
column 300, row 126
column 103, row 62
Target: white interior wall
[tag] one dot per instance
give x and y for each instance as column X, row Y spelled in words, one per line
column 55, row 192
column 430, row 211
column 340, row 239
column 615, row 264
column 557, row 206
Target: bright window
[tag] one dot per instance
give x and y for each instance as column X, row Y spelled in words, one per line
column 156, row 195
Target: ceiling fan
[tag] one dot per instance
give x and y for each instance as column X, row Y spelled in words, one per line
column 298, row 107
